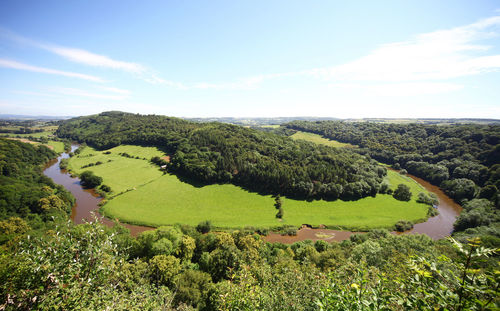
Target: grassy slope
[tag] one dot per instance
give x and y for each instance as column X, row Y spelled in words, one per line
column 155, row 199
column 118, row 172
column 315, row 138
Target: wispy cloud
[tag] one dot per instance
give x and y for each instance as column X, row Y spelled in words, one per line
column 64, row 92
column 92, row 59
column 7, row 63
column 400, row 89
column 439, row 55
column 425, row 64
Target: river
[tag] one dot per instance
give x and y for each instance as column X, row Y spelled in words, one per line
column 87, row 202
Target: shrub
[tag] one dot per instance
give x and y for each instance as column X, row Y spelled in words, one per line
column 204, row 226
column 105, row 188
column 89, row 180
column 403, row 225
column 402, row 193
column 427, row 199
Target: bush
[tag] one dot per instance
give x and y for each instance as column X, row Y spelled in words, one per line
column 204, row 227
column 105, row 188
column 63, row 164
column 403, row 225
column 89, row 180
column 427, row 199
column 402, row 193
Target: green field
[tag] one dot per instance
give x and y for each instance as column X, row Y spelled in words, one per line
column 142, row 194
column 120, row 173
column 58, row 146
column 47, row 131
column 315, row 138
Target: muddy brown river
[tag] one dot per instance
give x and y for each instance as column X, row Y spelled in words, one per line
column 86, row 200
column 87, row 204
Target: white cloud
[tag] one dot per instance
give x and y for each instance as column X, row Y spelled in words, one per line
column 439, row 55
column 72, row 93
column 92, row 59
column 400, row 89
column 6, row 63
column 413, row 67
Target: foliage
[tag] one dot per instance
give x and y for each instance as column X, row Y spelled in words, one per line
column 223, row 153
column 403, row 225
column 429, row 199
column 402, row 193
column 204, row 227
column 89, row 180
column 435, row 153
column 441, row 284
column 24, row 190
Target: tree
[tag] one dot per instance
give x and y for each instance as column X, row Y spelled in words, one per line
column 280, row 213
column 277, row 202
column 402, row 193
column 204, row 226
column 89, row 180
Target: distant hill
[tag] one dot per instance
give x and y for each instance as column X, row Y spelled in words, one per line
column 260, row 121
column 282, row 120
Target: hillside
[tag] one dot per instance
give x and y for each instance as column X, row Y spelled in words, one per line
column 223, row 153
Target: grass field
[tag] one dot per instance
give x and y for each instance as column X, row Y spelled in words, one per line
column 315, row 138
column 47, row 131
column 58, row 146
column 120, row 173
column 142, row 194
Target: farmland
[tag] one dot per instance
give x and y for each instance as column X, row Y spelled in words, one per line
column 142, row 194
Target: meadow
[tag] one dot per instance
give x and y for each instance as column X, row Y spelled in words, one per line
column 143, row 194
column 315, row 138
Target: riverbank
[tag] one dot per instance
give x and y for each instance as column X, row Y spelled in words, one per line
column 87, row 200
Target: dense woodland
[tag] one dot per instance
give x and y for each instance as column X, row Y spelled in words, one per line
column 223, row 153
column 464, row 160
column 27, row 197
column 48, row 263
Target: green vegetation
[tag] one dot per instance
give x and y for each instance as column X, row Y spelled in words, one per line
column 89, row 180
column 91, row 267
column 462, row 159
column 402, row 193
column 142, row 194
column 118, row 172
column 28, row 198
column 48, row 263
column 221, row 153
column 317, row 139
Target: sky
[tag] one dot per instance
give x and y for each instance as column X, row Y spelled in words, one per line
column 344, row 59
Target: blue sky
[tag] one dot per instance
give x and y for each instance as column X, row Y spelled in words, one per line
column 347, row 59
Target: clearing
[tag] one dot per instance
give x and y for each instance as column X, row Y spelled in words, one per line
column 318, row 139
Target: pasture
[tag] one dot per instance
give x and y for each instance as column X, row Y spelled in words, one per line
column 142, row 194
